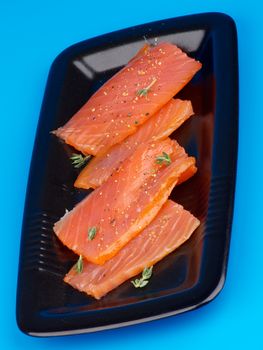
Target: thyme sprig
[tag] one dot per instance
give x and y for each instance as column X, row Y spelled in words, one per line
column 144, row 91
column 163, row 159
column 92, row 233
column 79, row 265
column 144, row 280
column 78, row 160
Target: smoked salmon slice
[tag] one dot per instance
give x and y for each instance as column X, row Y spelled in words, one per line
column 129, row 98
column 171, row 227
column 158, row 127
column 126, row 203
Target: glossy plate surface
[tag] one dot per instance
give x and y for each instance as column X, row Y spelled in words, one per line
column 195, row 273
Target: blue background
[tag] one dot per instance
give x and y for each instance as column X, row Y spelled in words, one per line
column 32, row 34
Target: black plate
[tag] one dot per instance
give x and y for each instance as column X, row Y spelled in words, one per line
column 195, row 273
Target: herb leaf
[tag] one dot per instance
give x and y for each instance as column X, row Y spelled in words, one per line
column 79, row 265
column 143, row 283
column 165, row 158
column 144, row 280
column 92, row 233
column 136, row 283
column 78, row 160
column 147, row 273
column 144, row 92
column 139, row 283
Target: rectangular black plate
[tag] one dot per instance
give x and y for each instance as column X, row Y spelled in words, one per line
column 195, row 273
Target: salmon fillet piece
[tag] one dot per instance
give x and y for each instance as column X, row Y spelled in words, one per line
column 129, row 98
column 171, row 227
column 158, row 127
column 126, row 203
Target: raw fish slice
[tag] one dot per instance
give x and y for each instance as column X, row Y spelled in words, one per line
column 126, row 203
column 131, row 96
column 160, row 126
column 171, row 227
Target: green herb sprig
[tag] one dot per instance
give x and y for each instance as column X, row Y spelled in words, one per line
column 163, row 159
column 78, row 160
column 92, row 233
column 144, row 280
column 79, row 265
column 144, row 92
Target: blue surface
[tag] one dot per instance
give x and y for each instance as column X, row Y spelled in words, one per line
column 32, row 34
